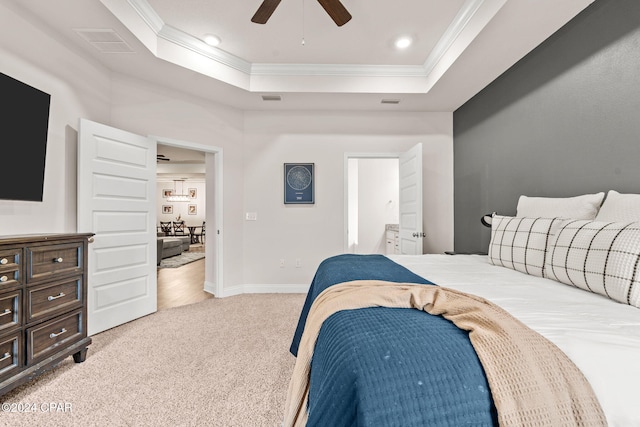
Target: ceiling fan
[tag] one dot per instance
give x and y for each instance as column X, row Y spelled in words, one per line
column 162, row 157
column 334, row 8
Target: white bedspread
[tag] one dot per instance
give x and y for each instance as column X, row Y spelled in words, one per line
column 601, row 336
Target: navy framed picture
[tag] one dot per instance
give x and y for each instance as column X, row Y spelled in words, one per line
column 298, row 183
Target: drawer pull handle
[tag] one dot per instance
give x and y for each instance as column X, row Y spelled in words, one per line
column 58, row 260
column 4, row 261
column 5, row 312
column 62, row 331
column 51, row 297
column 5, row 357
column 4, row 279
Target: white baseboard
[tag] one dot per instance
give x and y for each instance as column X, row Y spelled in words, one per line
column 210, row 287
column 263, row 289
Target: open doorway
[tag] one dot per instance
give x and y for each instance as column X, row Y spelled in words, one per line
column 372, row 204
column 191, row 172
column 181, row 212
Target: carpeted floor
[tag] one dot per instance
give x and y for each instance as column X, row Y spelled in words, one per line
column 180, row 260
column 220, row 362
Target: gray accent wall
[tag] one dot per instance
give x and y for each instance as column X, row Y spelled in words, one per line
column 563, row 121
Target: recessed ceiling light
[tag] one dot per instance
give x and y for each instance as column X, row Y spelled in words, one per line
column 212, row 39
column 403, row 42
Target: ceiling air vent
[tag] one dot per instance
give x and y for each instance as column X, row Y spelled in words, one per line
column 105, row 40
column 390, row 101
column 271, row 98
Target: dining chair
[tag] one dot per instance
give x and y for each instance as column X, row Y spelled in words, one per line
column 166, row 228
column 178, row 228
column 198, row 235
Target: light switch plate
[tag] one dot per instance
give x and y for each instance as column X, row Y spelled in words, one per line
column 251, row 216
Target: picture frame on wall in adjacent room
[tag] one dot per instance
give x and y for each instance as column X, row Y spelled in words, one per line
column 193, row 193
column 193, row 209
column 167, row 209
column 298, row 183
column 166, row 193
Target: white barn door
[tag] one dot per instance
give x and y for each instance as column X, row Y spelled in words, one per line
column 411, row 232
column 117, row 202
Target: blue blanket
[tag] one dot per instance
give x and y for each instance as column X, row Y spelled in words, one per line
column 389, row 366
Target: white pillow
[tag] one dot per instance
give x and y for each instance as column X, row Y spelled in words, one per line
column 600, row 257
column 579, row 207
column 521, row 243
column 620, row 208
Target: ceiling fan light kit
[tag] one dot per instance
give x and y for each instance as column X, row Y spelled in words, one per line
column 334, row 8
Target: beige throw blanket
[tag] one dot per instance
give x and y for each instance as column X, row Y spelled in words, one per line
column 533, row 383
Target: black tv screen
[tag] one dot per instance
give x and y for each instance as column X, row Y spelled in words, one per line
column 24, row 122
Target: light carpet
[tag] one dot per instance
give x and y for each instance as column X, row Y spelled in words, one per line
column 180, row 260
column 219, row 362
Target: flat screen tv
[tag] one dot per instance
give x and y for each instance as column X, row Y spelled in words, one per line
column 24, row 122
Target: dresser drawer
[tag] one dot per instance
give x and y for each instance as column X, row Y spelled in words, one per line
column 10, row 260
column 50, row 261
column 52, row 299
column 46, row 338
column 10, row 310
column 10, row 354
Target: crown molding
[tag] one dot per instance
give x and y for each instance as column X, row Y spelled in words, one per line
column 264, row 76
column 196, row 45
column 338, row 70
column 459, row 23
column 148, row 14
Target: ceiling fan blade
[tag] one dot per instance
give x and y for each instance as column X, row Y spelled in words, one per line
column 265, row 11
column 336, row 11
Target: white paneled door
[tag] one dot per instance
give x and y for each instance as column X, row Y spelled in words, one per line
column 116, row 201
column 411, row 232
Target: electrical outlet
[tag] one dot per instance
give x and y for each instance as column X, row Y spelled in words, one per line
column 281, row 262
column 298, row 263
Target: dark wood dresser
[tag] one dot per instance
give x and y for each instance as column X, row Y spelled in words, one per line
column 43, row 304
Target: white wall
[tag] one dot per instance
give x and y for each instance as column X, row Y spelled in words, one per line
column 378, row 193
column 313, row 232
column 78, row 88
column 353, row 231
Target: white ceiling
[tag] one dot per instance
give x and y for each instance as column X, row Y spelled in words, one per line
column 460, row 47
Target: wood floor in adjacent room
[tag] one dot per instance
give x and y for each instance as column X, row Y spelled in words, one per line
column 182, row 285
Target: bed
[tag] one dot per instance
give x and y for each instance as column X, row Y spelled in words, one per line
column 571, row 280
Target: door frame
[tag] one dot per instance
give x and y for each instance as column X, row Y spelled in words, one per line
column 347, row 156
column 213, row 283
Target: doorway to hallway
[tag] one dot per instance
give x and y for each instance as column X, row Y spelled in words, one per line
column 373, row 202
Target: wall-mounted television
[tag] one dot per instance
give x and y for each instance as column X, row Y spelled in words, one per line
column 24, row 122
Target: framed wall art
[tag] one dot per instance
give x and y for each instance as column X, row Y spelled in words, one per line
column 298, row 183
column 167, row 209
column 193, row 193
column 167, row 193
column 193, row 210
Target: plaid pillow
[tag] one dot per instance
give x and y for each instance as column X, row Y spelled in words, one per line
column 597, row 256
column 521, row 243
